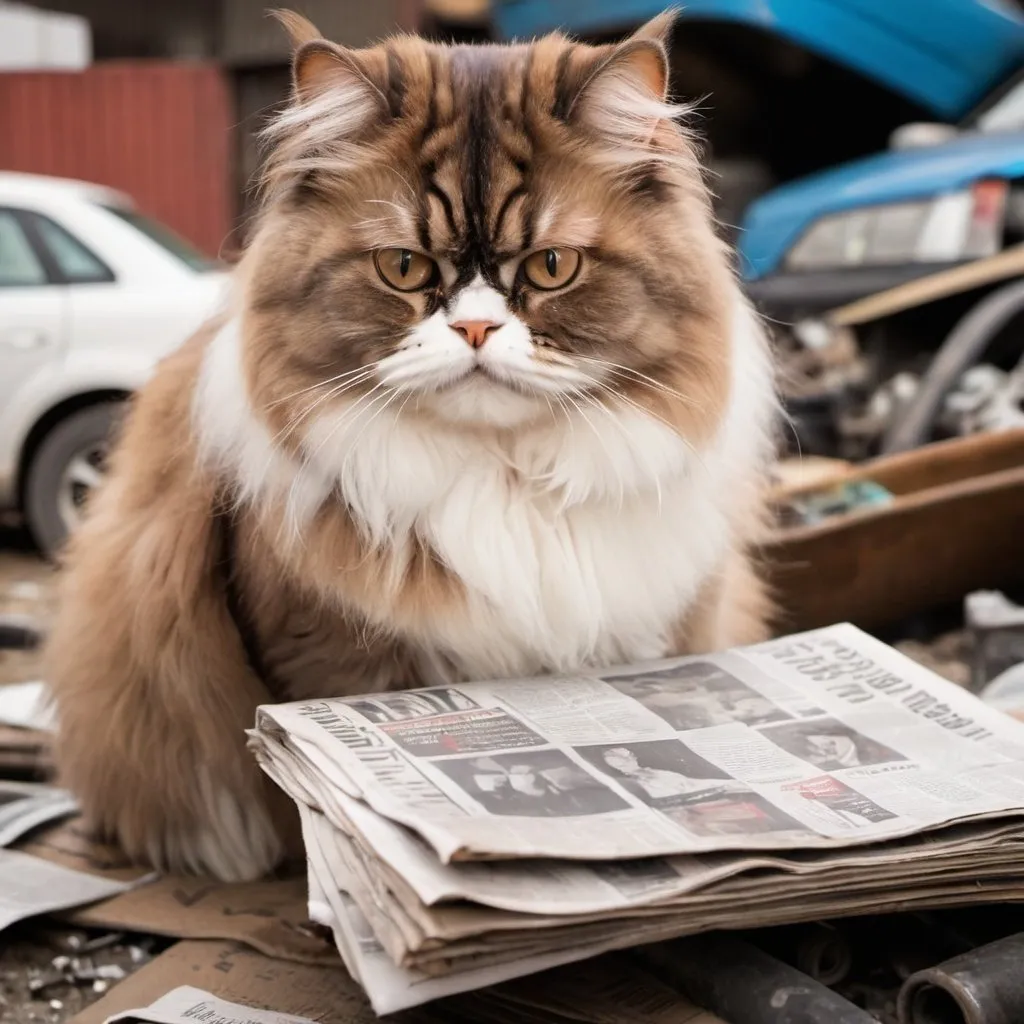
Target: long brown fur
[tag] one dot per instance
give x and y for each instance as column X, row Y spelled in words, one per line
column 153, row 683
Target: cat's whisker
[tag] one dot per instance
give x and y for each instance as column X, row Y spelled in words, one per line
column 551, row 408
column 641, row 378
column 344, row 420
column 276, row 442
column 338, row 389
column 587, row 397
column 389, row 396
column 323, row 383
column 620, row 397
column 636, row 376
column 569, row 396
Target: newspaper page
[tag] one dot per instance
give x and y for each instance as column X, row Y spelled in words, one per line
column 27, row 706
column 185, row 1004
column 388, row 986
column 824, row 739
column 455, row 937
column 26, row 805
column 30, row 886
column 556, row 888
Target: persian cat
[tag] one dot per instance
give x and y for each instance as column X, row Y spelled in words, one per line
column 485, row 401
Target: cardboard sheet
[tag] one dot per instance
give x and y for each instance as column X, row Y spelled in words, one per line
column 230, row 971
column 609, row 990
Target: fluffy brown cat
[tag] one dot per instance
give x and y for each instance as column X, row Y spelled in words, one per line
column 486, row 402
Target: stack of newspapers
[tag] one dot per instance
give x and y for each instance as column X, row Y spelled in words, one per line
column 465, row 835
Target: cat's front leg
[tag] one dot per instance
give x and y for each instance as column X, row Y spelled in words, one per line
column 731, row 609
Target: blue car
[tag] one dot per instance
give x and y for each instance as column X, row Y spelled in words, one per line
column 939, row 197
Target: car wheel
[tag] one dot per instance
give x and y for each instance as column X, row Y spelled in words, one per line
column 67, row 466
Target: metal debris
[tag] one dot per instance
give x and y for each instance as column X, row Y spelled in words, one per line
column 997, row 630
column 49, row 973
column 985, row 398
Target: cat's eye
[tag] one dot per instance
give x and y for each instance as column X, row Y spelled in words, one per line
column 551, row 268
column 405, row 270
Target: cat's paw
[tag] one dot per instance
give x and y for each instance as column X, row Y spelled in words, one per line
column 231, row 838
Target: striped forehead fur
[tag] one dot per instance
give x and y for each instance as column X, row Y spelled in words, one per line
column 344, row 123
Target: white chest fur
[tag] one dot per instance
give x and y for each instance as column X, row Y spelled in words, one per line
column 552, row 587
column 573, row 546
column 581, row 542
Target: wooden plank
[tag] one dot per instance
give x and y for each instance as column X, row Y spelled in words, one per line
column 1009, row 263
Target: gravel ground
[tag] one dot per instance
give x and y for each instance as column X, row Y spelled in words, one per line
column 48, row 973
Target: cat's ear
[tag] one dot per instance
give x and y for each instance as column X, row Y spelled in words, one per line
column 624, row 96
column 319, row 65
column 300, row 30
column 659, row 28
column 633, row 75
column 338, row 101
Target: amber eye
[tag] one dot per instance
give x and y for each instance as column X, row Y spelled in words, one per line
column 405, row 270
column 551, row 268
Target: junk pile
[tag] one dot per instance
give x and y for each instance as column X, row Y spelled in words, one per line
column 858, row 382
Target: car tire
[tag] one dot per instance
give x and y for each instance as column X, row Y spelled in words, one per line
column 73, row 444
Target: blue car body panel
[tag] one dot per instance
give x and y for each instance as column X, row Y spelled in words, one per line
column 774, row 222
column 944, row 54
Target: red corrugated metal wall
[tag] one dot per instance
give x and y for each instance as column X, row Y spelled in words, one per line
column 158, row 130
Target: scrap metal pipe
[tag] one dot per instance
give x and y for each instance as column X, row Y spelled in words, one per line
column 982, row 986
column 963, row 347
column 824, row 953
column 742, row 984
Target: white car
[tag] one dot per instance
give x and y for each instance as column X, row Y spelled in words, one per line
column 92, row 296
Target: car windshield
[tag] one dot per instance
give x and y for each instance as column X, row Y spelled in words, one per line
column 164, row 237
column 1006, row 114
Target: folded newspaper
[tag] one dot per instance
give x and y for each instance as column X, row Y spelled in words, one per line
column 465, row 835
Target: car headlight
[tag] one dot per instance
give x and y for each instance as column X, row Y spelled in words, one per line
column 957, row 226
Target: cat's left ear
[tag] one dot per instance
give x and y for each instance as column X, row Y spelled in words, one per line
column 624, row 95
column 659, row 28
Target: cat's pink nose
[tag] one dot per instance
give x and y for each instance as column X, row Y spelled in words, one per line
column 474, row 331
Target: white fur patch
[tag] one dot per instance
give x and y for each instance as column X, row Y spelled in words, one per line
column 580, row 538
column 317, row 134
column 236, row 443
column 479, row 301
column 234, row 842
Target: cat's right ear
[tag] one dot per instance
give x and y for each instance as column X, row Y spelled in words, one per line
column 319, row 66
column 300, row 30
